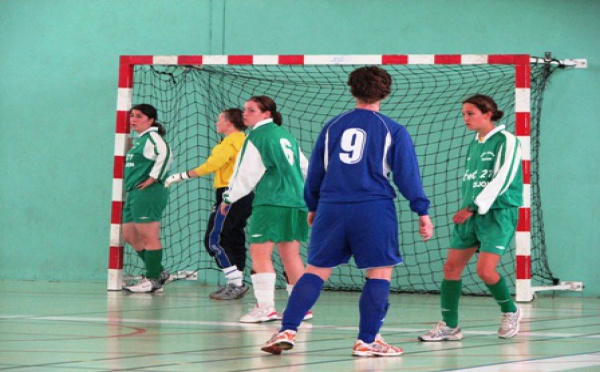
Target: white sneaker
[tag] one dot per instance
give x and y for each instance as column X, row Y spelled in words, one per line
column 258, row 315
column 510, row 324
column 145, row 285
column 376, row 348
column 441, row 332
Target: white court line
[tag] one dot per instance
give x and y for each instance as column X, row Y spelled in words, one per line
column 546, row 365
column 267, row 324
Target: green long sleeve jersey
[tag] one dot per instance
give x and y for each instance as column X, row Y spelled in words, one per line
column 493, row 177
column 150, row 156
column 272, row 165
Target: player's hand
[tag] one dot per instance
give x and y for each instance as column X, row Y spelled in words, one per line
column 461, row 216
column 425, row 228
column 146, row 183
column 311, row 218
column 224, row 208
column 176, row 178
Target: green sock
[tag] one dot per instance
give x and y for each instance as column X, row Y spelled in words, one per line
column 142, row 254
column 502, row 296
column 451, row 290
column 154, row 263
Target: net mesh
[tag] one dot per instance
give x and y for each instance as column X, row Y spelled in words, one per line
column 426, row 99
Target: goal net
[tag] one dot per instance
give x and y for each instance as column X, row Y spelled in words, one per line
column 190, row 92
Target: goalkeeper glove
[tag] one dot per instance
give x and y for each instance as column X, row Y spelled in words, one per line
column 176, row 178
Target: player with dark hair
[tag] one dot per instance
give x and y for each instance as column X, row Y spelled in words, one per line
column 492, row 191
column 352, row 212
column 146, row 167
column 225, row 238
column 272, row 165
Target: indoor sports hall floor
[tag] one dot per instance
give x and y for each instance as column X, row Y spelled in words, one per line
column 82, row 327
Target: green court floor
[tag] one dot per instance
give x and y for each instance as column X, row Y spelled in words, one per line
column 82, row 327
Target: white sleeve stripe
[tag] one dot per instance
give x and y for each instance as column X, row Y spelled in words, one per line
column 249, row 169
column 303, row 163
column 503, row 177
column 157, row 150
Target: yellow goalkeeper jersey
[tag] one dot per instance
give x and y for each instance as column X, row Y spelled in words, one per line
column 222, row 159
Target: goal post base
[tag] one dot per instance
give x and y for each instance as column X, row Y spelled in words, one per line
column 115, row 280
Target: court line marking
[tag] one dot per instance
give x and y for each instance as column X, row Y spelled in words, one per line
column 544, row 364
column 304, row 325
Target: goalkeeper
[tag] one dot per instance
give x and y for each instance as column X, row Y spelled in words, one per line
column 351, row 206
column 225, row 238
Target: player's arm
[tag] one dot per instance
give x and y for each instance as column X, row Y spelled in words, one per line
column 406, row 175
column 315, row 174
column 249, row 169
column 508, row 161
column 156, row 148
column 220, row 156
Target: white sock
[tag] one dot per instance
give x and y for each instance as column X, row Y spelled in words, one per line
column 233, row 275
column 264, row 289
column 289, row 289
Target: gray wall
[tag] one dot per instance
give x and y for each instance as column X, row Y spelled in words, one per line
column 58, row 78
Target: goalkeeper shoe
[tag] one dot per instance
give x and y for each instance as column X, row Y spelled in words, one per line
column 146, row 285
column 441, row 332
column 280, row 341
column 258, row 315
column 230, row 292
column 375, row 348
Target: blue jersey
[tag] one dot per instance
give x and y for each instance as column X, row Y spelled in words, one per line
column 352, row 159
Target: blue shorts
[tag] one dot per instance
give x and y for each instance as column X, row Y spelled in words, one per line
column 368, row 231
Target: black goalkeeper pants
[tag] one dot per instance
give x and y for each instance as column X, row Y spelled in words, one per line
column 225, row 237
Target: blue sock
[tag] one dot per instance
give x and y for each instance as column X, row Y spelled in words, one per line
column 304, row 296
column 373, row 307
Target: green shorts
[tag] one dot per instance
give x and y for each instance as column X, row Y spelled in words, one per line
column 147, row 205
column 491, row 232
column 278, row 224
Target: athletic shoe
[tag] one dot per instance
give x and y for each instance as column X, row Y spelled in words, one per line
column 258, row 315
column 230, row 292
column 220, row 290
column 375, row 348
column 510, row 324
column 308, row 316
column 146, row 285
column 280, row 341
column 164, row 277
column 442, row 332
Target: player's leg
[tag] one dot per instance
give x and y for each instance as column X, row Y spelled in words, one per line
column 263, row 282
column 305, row 294
column 231, row 242
column 496, row 230
column 373, row 307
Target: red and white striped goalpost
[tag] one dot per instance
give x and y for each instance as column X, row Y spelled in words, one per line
column 521, row 63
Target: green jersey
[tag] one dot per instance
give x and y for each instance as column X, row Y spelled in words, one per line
column 272, row 165
column 493, row 178
column 150, row 156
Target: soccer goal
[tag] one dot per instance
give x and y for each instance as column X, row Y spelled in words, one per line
column 190, row 91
